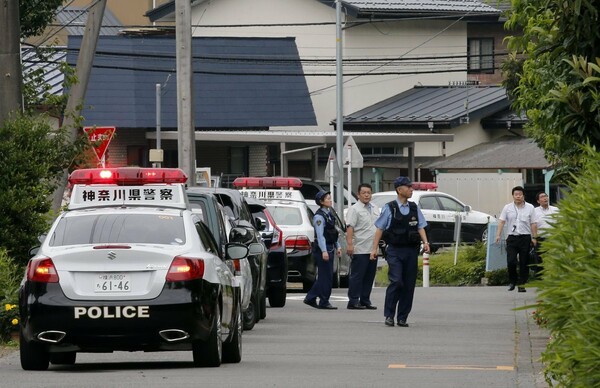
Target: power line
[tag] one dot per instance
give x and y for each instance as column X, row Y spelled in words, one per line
column 310, row 24
column 280, row 60
column 288, row 74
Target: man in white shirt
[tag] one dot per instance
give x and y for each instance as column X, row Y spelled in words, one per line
column 519, row 217
column 360, row 231
column 543, row 214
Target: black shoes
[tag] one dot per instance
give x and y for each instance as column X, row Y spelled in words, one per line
column 369, row 307
column 402, row 324
column 512, row 287
column 389, row 321
column 327, row 307
column 311, row 303
column 356, row 306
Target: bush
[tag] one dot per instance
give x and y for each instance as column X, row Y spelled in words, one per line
column 469, row 268
column 10, row 275
column 34, row 156
column 498, row 277
column 569, row 294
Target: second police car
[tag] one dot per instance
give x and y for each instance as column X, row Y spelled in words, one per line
column 294, row 217
column 129, row 267
column 440, row 210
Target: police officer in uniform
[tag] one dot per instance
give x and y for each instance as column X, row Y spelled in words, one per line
column 324, row 249
column 401, row 224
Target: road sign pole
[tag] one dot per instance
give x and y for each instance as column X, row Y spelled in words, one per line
column 349, row 176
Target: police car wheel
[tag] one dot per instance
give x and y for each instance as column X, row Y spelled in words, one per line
column 209, row 353
column 277, row 296
column 232, row 350
column 263, row 306
column 249, row 317
column 344, row 280
column 33, row 355
column 67, row 358
column 307, row 285
column 484, row 234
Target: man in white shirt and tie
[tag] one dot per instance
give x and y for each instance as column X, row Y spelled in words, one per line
column 522, row 232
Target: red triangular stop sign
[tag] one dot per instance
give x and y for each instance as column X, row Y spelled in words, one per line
column 100, row 138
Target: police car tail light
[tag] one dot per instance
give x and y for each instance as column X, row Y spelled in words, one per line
column 298, row 243
column 185, row 268
column 127, row 176
column 274, row 182
column 42, row 270
column 277, row 240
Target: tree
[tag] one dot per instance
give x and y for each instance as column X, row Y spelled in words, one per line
column 35, row 15
column 554, row 75
column 32, row 156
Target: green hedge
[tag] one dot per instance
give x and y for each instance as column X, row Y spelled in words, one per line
column 468, row 271
column 569, row 293
column 10, row 277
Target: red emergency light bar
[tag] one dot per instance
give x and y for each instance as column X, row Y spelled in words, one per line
column 428, row 186
column 272, row 182
column 126, row 176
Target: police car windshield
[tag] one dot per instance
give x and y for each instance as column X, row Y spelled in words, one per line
column 285, row 215
column 119, row 228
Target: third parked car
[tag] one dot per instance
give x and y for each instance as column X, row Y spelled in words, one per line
column 277, row 261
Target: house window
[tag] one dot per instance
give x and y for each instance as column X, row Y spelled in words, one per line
column 380, row 151
column 481, row 55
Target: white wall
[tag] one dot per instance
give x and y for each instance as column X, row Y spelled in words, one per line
column 389, row 40
column 485, row 192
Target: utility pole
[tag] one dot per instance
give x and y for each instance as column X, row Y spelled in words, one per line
column 339, row 122
column 85, row 59
column 186, row 133
column 10, row 59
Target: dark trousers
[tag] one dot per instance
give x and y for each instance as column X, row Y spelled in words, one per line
column 362, row 275
column 322, row 286
column 518, row 246
column 402, row 273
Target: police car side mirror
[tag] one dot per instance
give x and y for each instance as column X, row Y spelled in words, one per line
column 242, row 235
column 33, row 251
column 256, row 249
column 261, row 224
column 467, row 208
column 234, row 251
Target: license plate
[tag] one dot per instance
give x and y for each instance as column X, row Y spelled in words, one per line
column 114, row 282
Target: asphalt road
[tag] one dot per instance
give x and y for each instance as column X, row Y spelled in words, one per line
column 458, row 337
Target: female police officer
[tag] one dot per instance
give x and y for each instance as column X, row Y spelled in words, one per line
column 324, row 249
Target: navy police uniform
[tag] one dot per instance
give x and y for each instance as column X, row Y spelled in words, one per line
column 401, row 224
column 326, row 238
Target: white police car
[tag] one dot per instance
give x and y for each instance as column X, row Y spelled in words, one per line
column 440, row 210
column 129, row 267
column 294, row 217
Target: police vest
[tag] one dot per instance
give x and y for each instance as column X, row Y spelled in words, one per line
column 330, row 233
column 403, row 229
